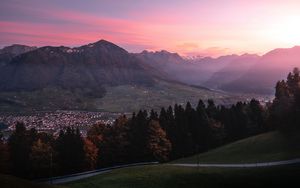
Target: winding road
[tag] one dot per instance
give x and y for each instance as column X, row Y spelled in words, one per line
column 82, row 175
column 243, row 165
column 78, row 176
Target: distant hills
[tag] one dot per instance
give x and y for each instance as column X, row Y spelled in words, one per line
column 266, row 71
column 89, row 66
column 104, row 76
column 247, row 73
column 9, row 52
column 98, row 76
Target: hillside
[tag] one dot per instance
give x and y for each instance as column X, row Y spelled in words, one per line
column 88, row 66
column 122, row 98
column 270, row 68
column 232, row 71
column 132, row 98
column 267, row 147
column 99, row 76
column 9, row 52
column 164, row 176
column 8, row 181
column 247, row 73
column 190, row 71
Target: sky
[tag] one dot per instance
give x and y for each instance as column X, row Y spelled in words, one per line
column 189, row 27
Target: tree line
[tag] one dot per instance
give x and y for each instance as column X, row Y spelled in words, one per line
column 175, row 132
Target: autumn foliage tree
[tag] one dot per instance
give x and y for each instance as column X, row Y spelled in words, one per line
column 173, row 133
column 91, row 154
column 158, row 146
column 41, row 159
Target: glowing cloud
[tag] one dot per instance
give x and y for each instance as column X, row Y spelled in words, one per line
column 188, row 27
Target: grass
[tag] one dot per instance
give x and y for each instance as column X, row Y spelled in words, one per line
column 7, row 181
column 271, row 146
column 128, row 98
column 163, row 176
column 47, row 99
column 124, row 98
column 266, row 147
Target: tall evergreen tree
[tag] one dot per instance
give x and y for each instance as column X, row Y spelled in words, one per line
column 284, row 112
column 137, row 134
column 70, row 150
column 20, row 143
column 4, row 156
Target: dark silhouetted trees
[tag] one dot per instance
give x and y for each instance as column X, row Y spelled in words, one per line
column 4, row 156
column 285, row 110
column 41, row 159
column 20, row 143
column 173, row 133
column 70, row 151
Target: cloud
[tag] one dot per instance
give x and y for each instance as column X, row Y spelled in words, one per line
column 188, row 46
column 208, row 52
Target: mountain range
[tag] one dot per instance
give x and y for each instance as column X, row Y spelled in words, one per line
column 96, row 76
column 108, row 73
column 89, row 66
column 9, row 52
column 247, row 73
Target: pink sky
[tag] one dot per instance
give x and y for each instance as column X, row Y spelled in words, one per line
column 189, row 27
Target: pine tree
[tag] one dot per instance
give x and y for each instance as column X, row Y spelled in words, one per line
column 20, row 143
column 137, row 133
column 70, row 150
column 4, row 156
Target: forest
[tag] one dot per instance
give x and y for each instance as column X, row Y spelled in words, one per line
column 174, row 132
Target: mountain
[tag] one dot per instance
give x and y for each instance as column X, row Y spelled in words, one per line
column 204, row 71
column 189, row 71
column 17, row 49
column 9, row 52
column 233, row 70
column 247, row 73
column 99, row 76
column 270, row 68
column 89, row 66
column 160, row 58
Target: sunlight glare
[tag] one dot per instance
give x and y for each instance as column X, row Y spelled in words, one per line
column 286, row 31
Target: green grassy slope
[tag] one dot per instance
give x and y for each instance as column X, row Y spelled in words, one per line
column 266, row 147
column 271, row 146
column 163, row 176
column 7, row 181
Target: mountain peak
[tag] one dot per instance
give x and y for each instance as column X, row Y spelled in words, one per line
column 103, row 42
column 17, row 49
column 90, row 66
column 102, row 45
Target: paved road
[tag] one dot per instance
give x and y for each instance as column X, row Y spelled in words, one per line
column 244, row 165
column 78, row 176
